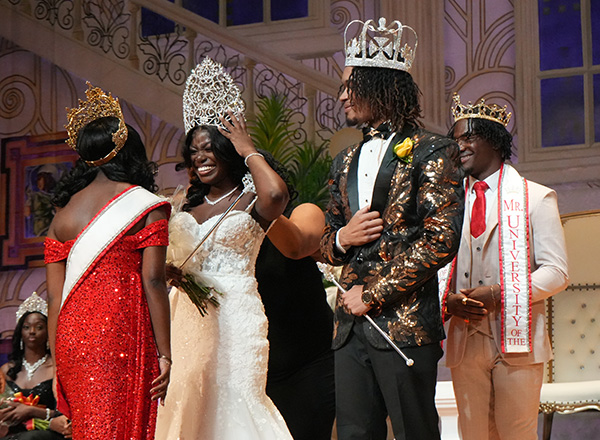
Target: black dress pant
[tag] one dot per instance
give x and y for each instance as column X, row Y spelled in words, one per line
column 372, row 383
column 306, row 399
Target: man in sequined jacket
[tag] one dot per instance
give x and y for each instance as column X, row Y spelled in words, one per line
column 393, row 220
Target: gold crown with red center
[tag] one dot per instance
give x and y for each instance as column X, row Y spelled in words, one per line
column 479, row 110
column 380, row 46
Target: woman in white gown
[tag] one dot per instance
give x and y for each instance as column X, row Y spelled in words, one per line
column 220, row 360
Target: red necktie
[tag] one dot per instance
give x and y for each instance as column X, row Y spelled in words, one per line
column 478, row 213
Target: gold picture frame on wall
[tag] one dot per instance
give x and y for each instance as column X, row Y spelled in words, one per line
column 30, row 168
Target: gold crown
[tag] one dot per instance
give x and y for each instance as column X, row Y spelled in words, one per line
column 380, row 46
column 98, row 105
column 32, row 304
column 480, row 110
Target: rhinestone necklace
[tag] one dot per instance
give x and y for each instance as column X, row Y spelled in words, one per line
column 211, row 202
column 31, row 369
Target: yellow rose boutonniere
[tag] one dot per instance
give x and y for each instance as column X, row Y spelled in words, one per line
column 404, row 150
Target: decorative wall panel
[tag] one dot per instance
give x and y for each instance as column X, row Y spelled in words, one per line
column 479, row 38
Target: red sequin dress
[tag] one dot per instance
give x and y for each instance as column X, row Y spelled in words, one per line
column 106, row 354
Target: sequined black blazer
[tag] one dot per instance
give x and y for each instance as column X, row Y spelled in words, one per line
column 421, row 204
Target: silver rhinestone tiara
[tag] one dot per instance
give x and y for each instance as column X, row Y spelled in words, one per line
column 380, row 46
column 33, row 304
column 209, row 93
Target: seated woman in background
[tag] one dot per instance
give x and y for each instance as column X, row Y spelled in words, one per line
column 30, row 371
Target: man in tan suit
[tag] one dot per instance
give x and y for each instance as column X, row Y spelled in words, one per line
column 497, row 339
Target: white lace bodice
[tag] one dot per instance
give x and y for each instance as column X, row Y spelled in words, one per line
column 230, row 250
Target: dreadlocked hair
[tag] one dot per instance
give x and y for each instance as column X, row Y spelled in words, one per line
column 390, row 94
column 493, row 132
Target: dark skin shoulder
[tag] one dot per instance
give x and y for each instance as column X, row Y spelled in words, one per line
column 70, row 220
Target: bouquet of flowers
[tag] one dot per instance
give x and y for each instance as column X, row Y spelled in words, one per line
column 31, row 400
column 37, row 424
column 199, row 294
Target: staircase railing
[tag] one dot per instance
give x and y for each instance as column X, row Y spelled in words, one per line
column 113, row 28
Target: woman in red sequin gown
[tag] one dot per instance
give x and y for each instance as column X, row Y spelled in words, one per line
column 110, row 335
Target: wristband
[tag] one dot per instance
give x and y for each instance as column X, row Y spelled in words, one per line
column 249, row 156
column 166, row 359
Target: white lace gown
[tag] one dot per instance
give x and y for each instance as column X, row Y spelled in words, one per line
column 219, row 372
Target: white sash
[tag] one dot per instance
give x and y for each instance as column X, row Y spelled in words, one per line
column 515, row 273
column 108, row 225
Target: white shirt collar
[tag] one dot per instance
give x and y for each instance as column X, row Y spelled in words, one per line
column 492, row 181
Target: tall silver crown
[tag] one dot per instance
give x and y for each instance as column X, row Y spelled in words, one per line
column 380, row 46
column 209, row 93
column 33, row 304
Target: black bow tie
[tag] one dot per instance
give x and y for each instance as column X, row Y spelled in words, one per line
column 383, row 132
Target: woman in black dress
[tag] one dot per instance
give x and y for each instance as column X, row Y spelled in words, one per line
column 300, row 380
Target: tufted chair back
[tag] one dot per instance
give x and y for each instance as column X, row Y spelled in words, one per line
column 574, row 326
column 574, row 321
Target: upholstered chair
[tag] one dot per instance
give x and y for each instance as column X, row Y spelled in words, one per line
column 574, row 326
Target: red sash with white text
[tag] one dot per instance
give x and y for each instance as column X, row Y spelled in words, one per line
column 515, row 270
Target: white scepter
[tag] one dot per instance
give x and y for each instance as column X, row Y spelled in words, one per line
column 328, row 273
column 248, row 188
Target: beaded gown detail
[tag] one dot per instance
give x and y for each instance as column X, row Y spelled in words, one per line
column 106, row 355
column 219, row 372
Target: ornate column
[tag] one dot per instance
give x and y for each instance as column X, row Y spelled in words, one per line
column 248, row 94
column 190, row 36
column 77, row 31
column 136, row 19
